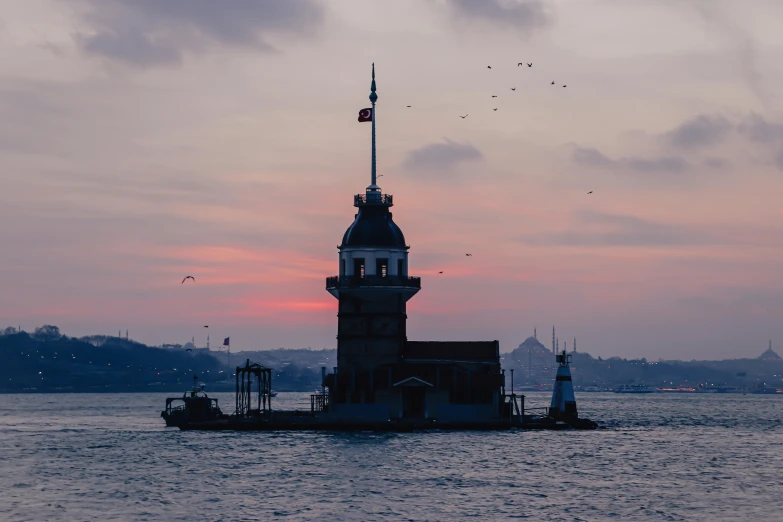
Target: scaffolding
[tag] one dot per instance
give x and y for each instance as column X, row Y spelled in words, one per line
column 248, row 377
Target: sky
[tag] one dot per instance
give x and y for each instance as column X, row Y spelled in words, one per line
column 142, row 141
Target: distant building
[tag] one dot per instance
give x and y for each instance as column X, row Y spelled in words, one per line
column 770, row 355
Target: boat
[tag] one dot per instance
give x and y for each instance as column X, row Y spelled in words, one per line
column 768, row 391
column 635, row 388
column 531, row 387
column 196, row 406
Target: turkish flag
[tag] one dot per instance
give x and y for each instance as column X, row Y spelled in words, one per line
column 365, row 115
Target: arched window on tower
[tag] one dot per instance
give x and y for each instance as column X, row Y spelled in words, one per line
column 358, row 267
column 400, row 267
column 382, row 267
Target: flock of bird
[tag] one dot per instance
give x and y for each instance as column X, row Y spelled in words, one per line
column 520, row 64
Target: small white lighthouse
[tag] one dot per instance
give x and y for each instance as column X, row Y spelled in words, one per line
column 563, row 399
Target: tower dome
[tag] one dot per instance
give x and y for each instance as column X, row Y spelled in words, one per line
column 373, row 227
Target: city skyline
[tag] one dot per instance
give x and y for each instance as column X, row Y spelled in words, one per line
column 142, row 143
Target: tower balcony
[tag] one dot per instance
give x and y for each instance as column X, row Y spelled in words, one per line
column 372, row 199
column 338, row 282
column 373, row 286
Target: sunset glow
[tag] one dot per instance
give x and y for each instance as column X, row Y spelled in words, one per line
column 122, row 173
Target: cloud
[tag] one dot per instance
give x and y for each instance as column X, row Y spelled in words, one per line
column 739, row 39
column 659, row 164
column 591, row 157
column 701, row 131
column 147, row 33
column 716, row 163
column 615, row 230
column 442, row 156
column 779, row 160
column 757, row 129
column 524, row 15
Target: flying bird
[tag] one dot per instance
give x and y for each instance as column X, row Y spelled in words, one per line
column 468, row 254
column 188, row 350
column 489, row 67
column 513, row 88
column 553, row 83
column 494, row 95
column 440, row 272
column 520, row 64
column 590, row 192
column 494, row 109
column 564, row 86
column 188, row 277
column 530, row 65
column 408, row 106
column 463, row 117
column 206, row 326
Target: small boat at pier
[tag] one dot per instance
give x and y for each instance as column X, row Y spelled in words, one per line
column 195, row 406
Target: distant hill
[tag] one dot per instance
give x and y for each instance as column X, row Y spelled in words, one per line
column 49, row 361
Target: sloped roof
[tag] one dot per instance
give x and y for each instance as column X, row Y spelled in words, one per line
column 413, row 381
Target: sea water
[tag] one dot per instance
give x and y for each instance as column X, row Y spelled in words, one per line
column 657, row 457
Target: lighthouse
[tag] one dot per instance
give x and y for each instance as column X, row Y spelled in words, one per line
column 372, row 289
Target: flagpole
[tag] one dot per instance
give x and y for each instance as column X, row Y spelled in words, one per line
column 373, row 98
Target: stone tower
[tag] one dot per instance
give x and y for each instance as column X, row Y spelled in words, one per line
column 372, row 289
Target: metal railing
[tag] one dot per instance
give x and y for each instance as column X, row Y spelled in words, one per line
column 382, row 199
column 319, row 402
column 357, row 282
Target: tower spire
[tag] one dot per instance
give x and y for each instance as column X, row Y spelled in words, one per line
column 373, row 98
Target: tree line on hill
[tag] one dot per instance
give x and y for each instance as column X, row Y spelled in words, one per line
column 47, row 361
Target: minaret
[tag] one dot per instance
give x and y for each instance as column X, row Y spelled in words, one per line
column 372, row 290
column 574, row 344
column 553, row 340
column 534, row 334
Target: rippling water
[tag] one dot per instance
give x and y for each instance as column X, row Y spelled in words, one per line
column 660, row 457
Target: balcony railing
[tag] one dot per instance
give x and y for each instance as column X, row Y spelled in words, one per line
column 374, row 199
column 357, row 282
